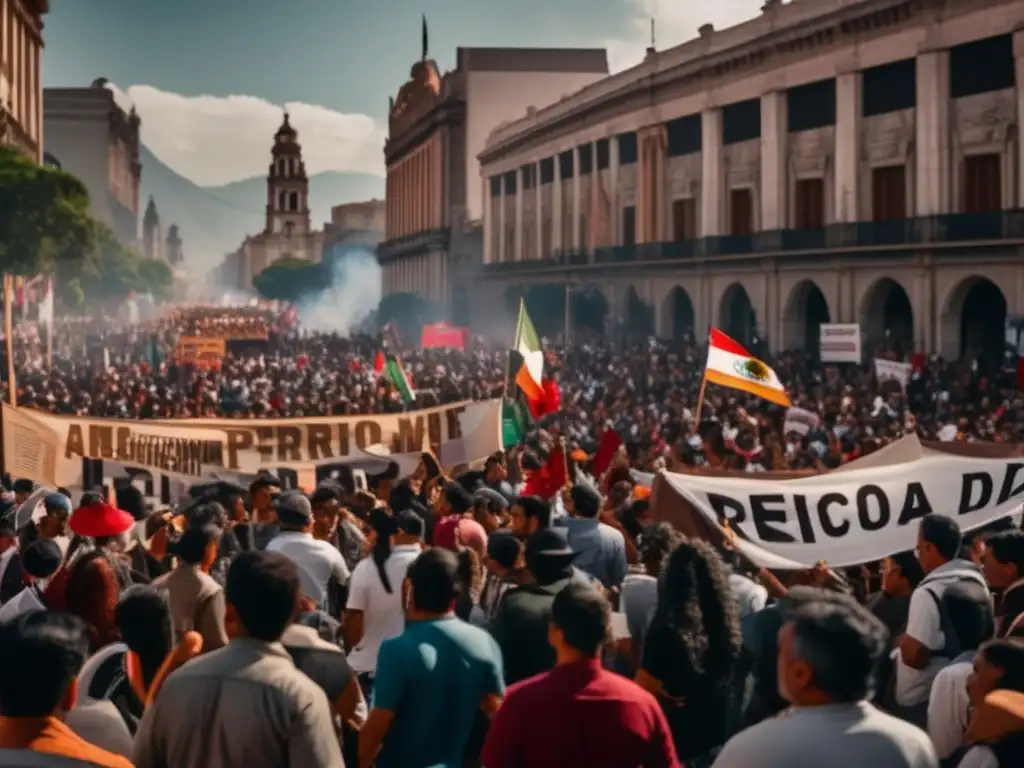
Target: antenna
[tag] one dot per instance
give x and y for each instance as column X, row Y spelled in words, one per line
column 652, row 34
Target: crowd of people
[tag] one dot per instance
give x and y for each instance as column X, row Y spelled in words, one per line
column 468, row 618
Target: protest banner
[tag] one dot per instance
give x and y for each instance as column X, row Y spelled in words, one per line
column 443, row 336
column 203, row 352
column 49, row 449
column 890, row 370
column 800, row 421
column 840, row 343
column 849, row 517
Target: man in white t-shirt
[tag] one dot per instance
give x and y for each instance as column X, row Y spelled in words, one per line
column 318, row 561
column 375, row 612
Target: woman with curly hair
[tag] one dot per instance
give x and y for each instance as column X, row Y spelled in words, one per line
column 690, row 649
column 91, row 593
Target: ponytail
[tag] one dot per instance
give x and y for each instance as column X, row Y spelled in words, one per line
column 384, row 525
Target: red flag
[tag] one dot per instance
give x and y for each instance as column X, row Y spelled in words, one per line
column 550, row 479
column 610, row 442
column 550, row 400
column 378, row 364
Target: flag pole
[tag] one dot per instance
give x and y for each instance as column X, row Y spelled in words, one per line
column 49, row 322
column 12, row 385
column 703, row 385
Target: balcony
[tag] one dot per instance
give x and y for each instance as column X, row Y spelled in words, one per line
column 420, row 242
column 853, row 238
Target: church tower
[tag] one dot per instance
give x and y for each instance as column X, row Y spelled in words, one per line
column 152, row 242
column 287, row 186
column 174, row 253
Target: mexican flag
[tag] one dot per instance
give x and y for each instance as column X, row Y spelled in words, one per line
column 527, row 358
column 396, row 375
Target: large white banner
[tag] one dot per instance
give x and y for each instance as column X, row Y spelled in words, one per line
column 855, row 516
column 890, row 370
column 840, row 343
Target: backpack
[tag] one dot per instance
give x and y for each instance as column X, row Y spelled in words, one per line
column 965, row 595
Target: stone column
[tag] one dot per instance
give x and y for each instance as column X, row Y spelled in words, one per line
column 932, row 147
column 711, row 173
column 849, row 88
column 539, row 212
column 576, row 202
column 518, row 255
column 488, row 223
column 502, row 256
column 1018, row 55
column 774, row 132
column 556, row 207
column 613, row 197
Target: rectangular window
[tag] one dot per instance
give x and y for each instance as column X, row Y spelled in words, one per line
column 889, row 193
column 982, row 66
column 547, row 170
column 565, row 165
column 586, row 159
column 684, row 219
column 741, row 212
column 629, row 225
column 741, row 121
column 982, row 184
column 510, row 183
column 889, row 88
column 528, row 172
column 627, row 148
column 809, row 205
column 684, row 135
column 603, row 154
column 495, row 186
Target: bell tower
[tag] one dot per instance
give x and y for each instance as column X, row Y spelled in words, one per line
column 287, row 185
column 152, row 241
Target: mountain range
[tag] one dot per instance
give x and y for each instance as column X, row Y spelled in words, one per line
column 213, row 221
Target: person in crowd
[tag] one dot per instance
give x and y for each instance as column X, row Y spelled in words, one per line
column 11, row 582
column 900, row 575
column 924, row 648
column 521, row 623
column 455, row 524
column 23, row 488
column 971, row 622
column 528, row 515
column 438, row 655
column 91, row 593
column 336, row 524
column 690, row 648
column 43, row 653
column 52, row 525
column 470, row 575
column 829, row 648
column 639, row 595
column 1004, row 570
column 40, row 561
column 997, row 732
column 250, row 687
column 196, row 600
column 264, row 514
column 496, row 477
column 375, row 611
column 998, row 666
column 110, row 531
column 490, row 508
column 579, row 713
column 319, row 562
column 504, row 552
column 600, row 548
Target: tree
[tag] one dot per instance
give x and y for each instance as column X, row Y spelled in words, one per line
column 156, row 278
column 289, row 279
column 44, row 216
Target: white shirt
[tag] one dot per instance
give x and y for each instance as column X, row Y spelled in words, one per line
column 979, row 757
column 947, row 708
column 26, row 601
column 383, row 612
column 318, row 562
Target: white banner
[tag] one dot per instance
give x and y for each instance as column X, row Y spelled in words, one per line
column 840, row 343
column 800, row 420
column 855, row 516
column 889, row 370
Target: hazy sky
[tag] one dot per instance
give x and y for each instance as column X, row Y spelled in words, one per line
column 211, row 77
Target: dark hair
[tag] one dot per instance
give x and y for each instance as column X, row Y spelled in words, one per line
column 143, row 617
column 42, row 652
column 434, row 579
column 695, row 600
column 91, row 594
column 470, row 582
column 841, row 641
column 969, row 608
column 1008, row 548
column 583, row 616
column 655, row 543
column 630, row 514
column 209, row 513
column 1008, row 655
column 263, row 587
column 910, row 567
column 458, row 497
column 535, row 508
column 586, row 500
column 384, row 525
column 943, row 533
column 191, row 547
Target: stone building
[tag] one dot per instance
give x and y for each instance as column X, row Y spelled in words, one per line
column 354, row 224
column 21, row 102
column 152, row 234
column 96, row 141
column 850, row 161
column 438, row 124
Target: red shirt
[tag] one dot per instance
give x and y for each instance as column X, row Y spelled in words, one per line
column 579, row 714
column 454, row 531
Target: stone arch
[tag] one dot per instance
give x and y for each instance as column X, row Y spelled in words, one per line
column 678, row 315
column 887, row 316
column 282, row 201
column 637, row 315
column 806, row 309
column 736, row 315
column 974, row 321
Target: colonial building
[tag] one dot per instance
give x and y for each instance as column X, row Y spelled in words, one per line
column 93, row 139
column 21, row 103
column 354, row 225
column 850, row 161
column 437, row 127
column 286, row 232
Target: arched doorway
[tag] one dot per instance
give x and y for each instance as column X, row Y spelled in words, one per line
column 887, row 316
column 736, row 315
column 638, row 317
column 589, row 308
column 679, row 315
column 806, row 310
column 974, row 322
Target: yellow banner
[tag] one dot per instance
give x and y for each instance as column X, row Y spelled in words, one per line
column 204, row 353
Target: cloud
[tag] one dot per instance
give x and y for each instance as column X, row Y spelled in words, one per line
column 675, row 23
column 215, row 140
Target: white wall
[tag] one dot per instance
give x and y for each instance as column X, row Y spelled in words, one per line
column 80, row 146
column 493, row 98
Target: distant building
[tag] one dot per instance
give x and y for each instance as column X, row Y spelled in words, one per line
column 89, row 136
column 354, row 224
column 21, row 44
column 152, row 240
column 173, row 250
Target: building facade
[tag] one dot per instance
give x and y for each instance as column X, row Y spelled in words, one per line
column 851, row 161
column 437, row 127
column 287, row 232
column 95, row 140
column 21, row 102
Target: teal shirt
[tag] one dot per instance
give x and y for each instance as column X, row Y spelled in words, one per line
column 433, row 677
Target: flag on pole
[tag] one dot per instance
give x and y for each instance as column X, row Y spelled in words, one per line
column 396, row 375
column 731, row 365
column 529, row 373
column 378, row 365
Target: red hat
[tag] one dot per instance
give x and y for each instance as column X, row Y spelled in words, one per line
column 100, row 519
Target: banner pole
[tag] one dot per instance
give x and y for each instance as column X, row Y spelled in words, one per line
column 12, row 384
column 703, row 384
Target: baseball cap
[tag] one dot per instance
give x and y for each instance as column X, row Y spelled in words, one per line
column 57, row 502
column 42, row 558
column 293, row 508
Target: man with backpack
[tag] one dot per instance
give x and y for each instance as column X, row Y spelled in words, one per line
column 930, row 643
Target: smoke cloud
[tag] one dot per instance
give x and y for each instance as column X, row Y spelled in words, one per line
column 354, row 293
